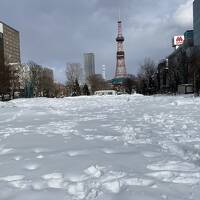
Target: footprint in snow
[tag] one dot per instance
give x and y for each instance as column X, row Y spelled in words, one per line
column 4, row 151
column 77, row 153
column 39, row 150
column 108, row 151
column 17, row 158
column 31, row 167
column 40, row 156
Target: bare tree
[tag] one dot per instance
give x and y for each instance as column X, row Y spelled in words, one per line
column 146, row 75
column 4, row 80
column 97, row 82
column 148, row 68
column 59, row 90
column 47, row 82
column 131, row 84
column 141, row 84
column 14, row 69
column 36, row 77
column 73, row 73
column 24, row 78
column 42, row 80
column 9, row 73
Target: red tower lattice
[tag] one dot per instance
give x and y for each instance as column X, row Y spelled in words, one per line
column 121, row 66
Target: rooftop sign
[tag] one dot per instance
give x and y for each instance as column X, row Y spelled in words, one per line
column 178, row 40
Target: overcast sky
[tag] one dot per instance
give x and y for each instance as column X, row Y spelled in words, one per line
column 54, row 32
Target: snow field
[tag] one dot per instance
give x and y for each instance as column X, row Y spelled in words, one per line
column 87, row 148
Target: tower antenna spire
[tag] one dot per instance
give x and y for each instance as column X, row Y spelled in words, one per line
column 119, row 19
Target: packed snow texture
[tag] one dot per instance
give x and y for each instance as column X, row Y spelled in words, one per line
column 100, row 148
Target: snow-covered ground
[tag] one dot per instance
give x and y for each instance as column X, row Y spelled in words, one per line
column 100, row 148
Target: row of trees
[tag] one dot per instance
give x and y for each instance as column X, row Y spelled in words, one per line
column 9, row 79
column 41, row 80
column 32, row 80
column 93, row 83
column 26, row 80
column 143, row 83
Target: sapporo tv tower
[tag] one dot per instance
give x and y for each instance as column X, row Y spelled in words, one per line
column 119, row 82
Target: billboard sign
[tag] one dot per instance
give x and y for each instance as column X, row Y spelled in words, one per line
column 1, row 28
column 178, row 40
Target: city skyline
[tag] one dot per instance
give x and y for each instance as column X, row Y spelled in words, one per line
column 66, row 36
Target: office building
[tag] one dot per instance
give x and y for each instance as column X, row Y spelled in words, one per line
column 9, row 59
column 189, row 38
column 196, row 13
column 89, row 65
column 9, row 44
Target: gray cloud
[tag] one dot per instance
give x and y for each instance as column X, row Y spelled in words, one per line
column 55, row 32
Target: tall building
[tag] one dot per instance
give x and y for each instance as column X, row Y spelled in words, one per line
column 89, row 64
column 9, row 44
column 196, row 18
column 189, row 38
column 104, row 72
column 120, row 67
column 9, row 59
column 1, row 48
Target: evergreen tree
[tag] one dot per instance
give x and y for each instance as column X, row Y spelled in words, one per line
column 77, row 89
column 86, row 90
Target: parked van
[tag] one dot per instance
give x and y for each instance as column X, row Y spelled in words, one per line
column 105, row 92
